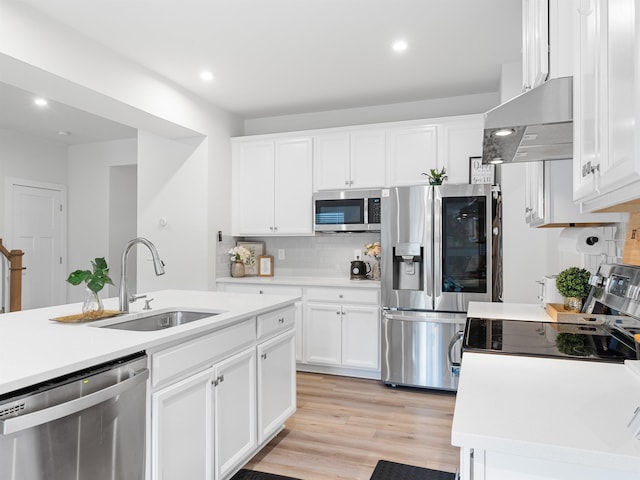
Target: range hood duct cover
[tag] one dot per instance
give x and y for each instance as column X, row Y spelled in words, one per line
column 542, row 124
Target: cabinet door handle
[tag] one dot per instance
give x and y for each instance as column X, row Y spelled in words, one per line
column 281, row 320
column 340, row 296
column 275, row 229
column 263, row 356
column 338, row 313
column 260, row 292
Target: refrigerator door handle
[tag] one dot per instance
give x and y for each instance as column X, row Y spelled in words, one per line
column 455, row 366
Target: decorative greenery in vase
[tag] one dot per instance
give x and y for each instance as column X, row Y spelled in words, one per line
column 95, row 280
column 573, row 285
column 240, row 256
column 373, row 250
column 436, row 177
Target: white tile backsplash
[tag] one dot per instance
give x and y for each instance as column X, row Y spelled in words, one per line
column 613, row 236
column 324, row 254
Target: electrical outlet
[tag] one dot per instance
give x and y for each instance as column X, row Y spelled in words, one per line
column 281, row 254
column 357, row 253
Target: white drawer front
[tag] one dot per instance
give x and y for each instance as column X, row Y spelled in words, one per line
column 182, row 359
column 274, row 322
column 344, row 295
column 262, row 289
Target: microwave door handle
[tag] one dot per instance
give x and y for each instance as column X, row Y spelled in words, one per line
column 16, row 424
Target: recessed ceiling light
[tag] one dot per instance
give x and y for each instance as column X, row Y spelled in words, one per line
column 63, row 133
column 503, row 132
column 496, row 161
column 399, row 46
column 41, row 102
column 207, row 76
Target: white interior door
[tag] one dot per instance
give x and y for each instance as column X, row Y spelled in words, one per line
column 35, row 226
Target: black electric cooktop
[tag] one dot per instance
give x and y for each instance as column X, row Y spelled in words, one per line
column 578, row 341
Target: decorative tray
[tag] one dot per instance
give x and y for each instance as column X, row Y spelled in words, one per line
column 80, row 317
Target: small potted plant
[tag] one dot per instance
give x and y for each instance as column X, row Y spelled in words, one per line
column 436, row 177
column 573, row 285
column 95, row 280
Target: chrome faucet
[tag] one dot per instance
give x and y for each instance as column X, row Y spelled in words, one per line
column 158, row 265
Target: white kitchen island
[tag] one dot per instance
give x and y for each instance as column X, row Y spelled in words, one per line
column 219, row 388
column 527, row 418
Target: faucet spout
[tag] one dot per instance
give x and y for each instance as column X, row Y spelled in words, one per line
column 158, row 266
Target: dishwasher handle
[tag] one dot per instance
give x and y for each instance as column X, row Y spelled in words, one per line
column 16, row 424
column 455, row 366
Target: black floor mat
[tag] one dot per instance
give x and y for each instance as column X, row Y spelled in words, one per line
column 397, row 471
column 253, row 475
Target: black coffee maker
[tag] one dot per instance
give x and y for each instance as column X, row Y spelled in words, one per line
column 359, row 270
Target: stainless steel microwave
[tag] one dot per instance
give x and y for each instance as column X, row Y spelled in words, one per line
column 347, row 211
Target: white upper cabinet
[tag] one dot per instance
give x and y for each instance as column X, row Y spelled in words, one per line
column 272, row 187
column 444, row 142
column 547, row 40
column 411, row 151
column 535, row 42
column 461, row 139
column 606, row 104
column 349, row 159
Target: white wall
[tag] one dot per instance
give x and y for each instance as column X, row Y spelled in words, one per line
column 123, row 222
column 440, row 107
column 525, row 250
column 29, row 158
column 38, row 54
column 173, row 213
column 88, row 213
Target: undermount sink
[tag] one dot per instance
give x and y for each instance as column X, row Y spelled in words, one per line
column 160, row 321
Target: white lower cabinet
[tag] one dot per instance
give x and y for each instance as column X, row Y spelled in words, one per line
column 235, row 413
column 343, row 335
column 276, row 384
column 182, row 429
column 480, row 464
column 206, row 424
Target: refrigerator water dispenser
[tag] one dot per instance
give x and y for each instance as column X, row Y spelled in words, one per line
column 408, row 259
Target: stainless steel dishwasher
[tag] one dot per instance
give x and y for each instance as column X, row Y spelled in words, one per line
column 89, row 425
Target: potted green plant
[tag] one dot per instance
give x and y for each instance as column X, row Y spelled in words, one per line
column 573, row 285
column 95, row 280
column 436, row 177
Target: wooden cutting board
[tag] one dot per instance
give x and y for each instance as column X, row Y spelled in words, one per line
column 631, row 253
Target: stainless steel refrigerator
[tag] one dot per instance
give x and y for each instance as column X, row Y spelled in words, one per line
column 440, row 250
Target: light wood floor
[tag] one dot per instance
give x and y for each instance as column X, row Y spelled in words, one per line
column 343, row 426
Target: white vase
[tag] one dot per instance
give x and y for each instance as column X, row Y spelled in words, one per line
column 237, row 269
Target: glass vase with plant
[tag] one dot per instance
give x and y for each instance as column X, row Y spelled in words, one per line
column 95, row 279
column 373, row 250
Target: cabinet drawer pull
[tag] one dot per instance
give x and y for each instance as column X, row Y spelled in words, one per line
column 263, row 356
column 260, row 292
column 341, row 296
column 281, row 320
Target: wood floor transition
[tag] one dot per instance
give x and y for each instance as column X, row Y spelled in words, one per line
column 343, row 426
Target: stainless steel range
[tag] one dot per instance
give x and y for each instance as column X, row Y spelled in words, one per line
column 606, row 332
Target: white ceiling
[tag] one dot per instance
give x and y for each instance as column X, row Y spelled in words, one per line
column 278, row 57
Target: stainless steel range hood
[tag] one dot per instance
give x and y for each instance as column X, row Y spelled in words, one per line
column 536, row 125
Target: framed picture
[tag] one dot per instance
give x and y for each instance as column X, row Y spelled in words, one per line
column 256, row 249
column 479, row 173
column 265, row 266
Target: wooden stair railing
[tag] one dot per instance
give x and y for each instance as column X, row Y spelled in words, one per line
column 15, row 277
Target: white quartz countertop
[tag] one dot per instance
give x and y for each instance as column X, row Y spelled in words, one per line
column 35, row 349
column 508, row 311
column 565, row 410
column 556, row 409
column 302, row 281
